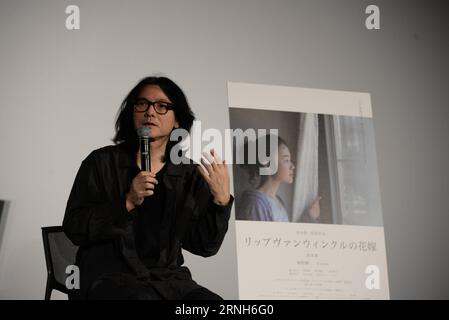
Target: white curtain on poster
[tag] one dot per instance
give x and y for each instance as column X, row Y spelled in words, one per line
column 306, row 180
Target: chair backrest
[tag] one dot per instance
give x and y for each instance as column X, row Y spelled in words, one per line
column 60, row 252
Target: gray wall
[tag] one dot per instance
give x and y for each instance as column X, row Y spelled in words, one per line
column 59, row 92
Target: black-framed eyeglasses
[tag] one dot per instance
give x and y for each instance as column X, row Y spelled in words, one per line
column 161, row 107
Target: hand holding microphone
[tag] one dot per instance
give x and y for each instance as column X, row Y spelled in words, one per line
column 142, row 186
column 144, row 183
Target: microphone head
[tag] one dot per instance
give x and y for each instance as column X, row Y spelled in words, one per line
column 143, row 132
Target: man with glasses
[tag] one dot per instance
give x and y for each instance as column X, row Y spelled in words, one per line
column 130, row 224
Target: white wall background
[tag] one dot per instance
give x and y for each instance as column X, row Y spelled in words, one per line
column 60, row 90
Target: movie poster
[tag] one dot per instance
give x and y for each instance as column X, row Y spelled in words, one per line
column 308, row 208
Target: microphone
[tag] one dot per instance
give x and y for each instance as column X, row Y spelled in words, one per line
column 144, row 139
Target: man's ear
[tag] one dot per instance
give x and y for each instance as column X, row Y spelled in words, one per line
column 176, row 125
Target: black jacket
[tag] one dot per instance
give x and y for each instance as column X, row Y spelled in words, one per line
column 97, row 220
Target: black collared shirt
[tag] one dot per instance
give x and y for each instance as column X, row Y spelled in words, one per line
column 97, row 220
column 148, row 224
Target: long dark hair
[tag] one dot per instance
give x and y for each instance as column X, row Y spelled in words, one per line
column 125, row 132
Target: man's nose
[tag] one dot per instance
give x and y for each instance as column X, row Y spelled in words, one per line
column 150, row 110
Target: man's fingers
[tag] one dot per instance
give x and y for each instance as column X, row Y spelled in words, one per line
column 146, row 193
column 151, row 180
column 147, row 174
column 149, row 185
column 216, row 156
column 206, row 166
column 210, row 159
column 203, row 172
column 201, row 166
